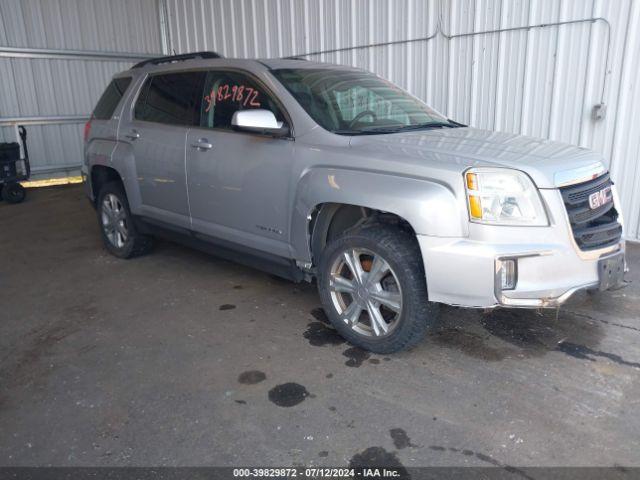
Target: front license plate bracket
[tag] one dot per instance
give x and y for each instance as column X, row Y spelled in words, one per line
column 611, row 271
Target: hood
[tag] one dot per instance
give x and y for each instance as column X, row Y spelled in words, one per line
column 550, row 164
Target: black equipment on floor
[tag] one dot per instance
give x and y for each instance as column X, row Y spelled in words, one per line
column 14, row 169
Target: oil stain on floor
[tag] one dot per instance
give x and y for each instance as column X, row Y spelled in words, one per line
column 584, row 353
column 471, row 344
column 251, row 377
column 508, row 334
column 400, row 438
column 378, row 457
column 319, row 335
column 355, row 356
column 288, row 394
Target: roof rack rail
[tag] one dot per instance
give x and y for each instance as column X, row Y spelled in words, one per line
column 295, row 57
column 177, row 58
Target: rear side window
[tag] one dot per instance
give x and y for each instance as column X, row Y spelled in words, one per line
column 172, row 98
column 110, row 98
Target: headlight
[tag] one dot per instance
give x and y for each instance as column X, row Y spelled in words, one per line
column 500, row 196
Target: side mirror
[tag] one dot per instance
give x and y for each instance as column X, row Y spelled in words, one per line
column 259, row 121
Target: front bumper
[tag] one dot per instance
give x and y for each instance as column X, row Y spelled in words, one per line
column 462, row 271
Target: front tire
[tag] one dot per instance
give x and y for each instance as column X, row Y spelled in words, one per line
column 373, row 289
column 117, row 226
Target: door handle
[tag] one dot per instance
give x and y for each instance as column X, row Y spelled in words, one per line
column 202, row 144
column 132, row 135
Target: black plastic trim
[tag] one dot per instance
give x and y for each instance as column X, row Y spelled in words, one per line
column 177, row 58
column 266, row 262
column 592, row 228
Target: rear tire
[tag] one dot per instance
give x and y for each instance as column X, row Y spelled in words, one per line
column 384, row 308
column 117, row 225
column 13, row 193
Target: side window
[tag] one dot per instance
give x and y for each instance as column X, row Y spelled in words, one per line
column 227, row 92
column 172, row 98
column 110, row 98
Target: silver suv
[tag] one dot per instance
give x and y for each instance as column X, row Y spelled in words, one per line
column 317, row 171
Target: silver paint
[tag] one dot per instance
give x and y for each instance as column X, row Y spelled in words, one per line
column 246, row 181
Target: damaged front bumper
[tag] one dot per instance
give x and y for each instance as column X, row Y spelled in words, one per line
column 548, row 264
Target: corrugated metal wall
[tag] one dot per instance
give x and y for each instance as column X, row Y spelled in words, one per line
column 541, row 81
column 44, row 87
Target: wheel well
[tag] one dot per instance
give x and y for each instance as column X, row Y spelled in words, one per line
column 330, row 220
column 101, row 175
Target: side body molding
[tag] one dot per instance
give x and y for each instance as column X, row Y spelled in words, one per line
column 430, row 207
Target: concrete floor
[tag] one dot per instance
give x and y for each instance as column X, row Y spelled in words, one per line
column 178, row 358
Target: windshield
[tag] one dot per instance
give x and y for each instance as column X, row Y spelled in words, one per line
column 352, row 102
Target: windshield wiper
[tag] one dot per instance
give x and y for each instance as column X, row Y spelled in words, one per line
column 370, row 131
column 399, row 128
column 430, row 125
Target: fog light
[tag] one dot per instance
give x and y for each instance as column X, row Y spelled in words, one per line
column 507, row 269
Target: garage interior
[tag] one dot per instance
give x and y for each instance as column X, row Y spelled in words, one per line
column 180, row 359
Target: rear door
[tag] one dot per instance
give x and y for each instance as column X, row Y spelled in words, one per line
column 239, row 182
column 166, row 106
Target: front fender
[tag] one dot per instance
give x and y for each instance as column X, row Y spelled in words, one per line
column 431, row 208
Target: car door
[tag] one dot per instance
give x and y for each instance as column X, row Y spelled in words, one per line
column 239, row 182
column 167, row 105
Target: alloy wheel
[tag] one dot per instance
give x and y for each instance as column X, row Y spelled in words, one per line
column 114, row 220
column 365, row 292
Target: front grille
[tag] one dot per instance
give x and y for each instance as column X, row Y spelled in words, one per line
column 592, row 228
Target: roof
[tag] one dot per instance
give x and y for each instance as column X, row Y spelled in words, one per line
column 276, row 63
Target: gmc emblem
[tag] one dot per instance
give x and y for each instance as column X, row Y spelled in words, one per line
column 600, row 198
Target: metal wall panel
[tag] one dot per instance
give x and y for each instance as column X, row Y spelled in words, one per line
column 41, row 87
column 625, row 148
column 540, row 81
